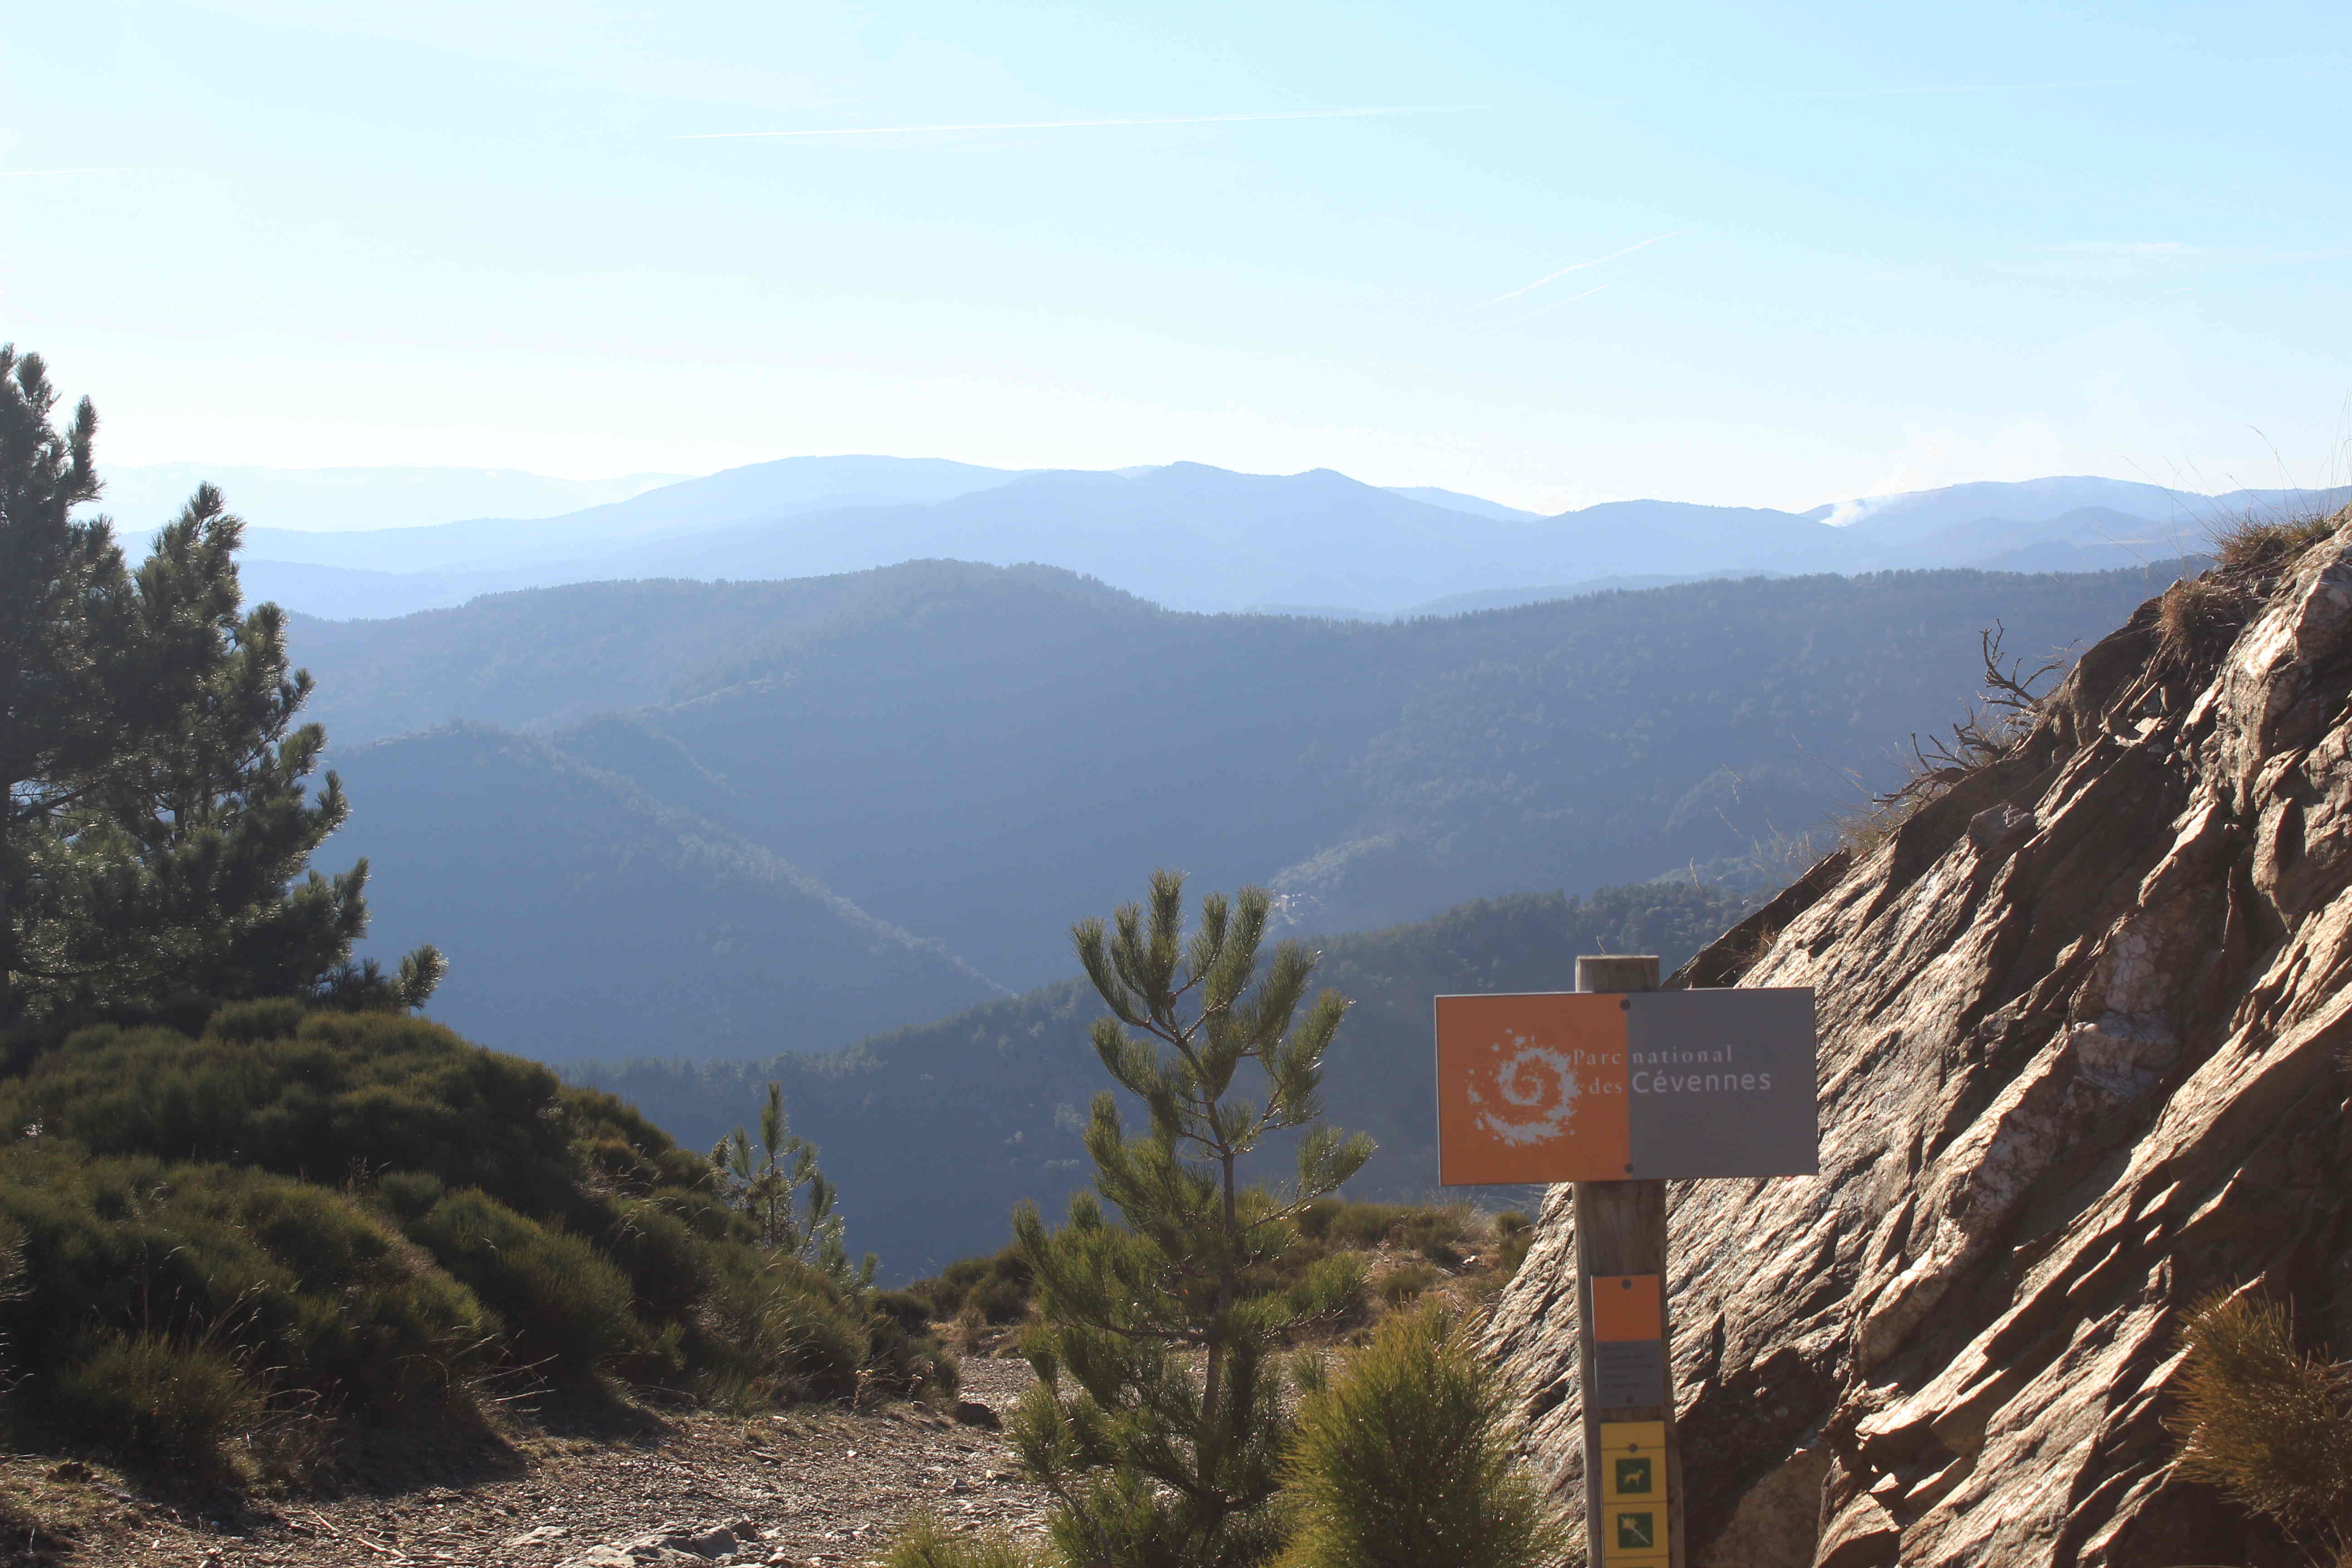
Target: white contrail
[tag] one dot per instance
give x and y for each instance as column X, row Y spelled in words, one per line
column 1556, row 304
column 1574, row 266
column 28, row 173
column 1076, row 124
column 1965, row 87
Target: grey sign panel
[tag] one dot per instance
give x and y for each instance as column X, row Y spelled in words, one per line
column 1629, row 1375
column 1720, row 1083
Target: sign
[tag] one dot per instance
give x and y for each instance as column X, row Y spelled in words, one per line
column 1566, row 1086
column 1633, row 1502
column 1629, row 1333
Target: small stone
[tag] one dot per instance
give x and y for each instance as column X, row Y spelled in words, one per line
column 708, row 1544
column 607, row 1556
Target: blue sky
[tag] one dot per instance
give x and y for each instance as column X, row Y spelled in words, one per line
column 1794, row 255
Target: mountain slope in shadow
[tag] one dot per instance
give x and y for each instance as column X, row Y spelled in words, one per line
column 582, row 918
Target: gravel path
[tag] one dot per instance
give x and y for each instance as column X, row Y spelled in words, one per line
column 818, row 1486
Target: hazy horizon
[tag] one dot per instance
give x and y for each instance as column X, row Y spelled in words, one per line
column 1546, row 257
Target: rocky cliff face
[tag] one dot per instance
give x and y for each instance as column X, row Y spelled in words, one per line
column 2083, row 1019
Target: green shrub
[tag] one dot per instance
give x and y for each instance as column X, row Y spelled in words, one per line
column 365, row 1212
column 1406, row 1459
column 2264, row 1421
column 662, row 1258
column 926, row 1543
column 562, row 1304
column 993, row 1289
column 304, row 1281
column 159, row 1399
column 1514, row 1234
column 1406, row 1281
column 1439, row 1233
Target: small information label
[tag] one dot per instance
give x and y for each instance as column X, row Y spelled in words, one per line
column 1629, row 1375
column 1634, row 1536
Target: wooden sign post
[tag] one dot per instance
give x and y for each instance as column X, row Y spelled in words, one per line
column 1621, row 1311
column 1618, row 1087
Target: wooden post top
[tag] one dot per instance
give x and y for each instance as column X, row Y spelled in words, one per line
column 1617, row 972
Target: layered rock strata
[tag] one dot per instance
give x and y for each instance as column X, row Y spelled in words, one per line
column 2083, row 1023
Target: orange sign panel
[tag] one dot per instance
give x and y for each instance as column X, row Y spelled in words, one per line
column 1628, row 1306
column 1532, row 1087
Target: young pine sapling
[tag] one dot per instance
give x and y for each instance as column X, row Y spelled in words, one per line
column 1157, row 1420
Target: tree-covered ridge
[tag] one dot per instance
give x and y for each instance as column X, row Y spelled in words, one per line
column 935, row 1132
column 978, row 754
column 590, row 918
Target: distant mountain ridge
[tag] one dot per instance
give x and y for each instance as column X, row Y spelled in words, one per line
column 142, row 497
column 1191, row 536
column 977, row 755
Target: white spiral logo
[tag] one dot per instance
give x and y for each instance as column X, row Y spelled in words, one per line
column 1537, row 1088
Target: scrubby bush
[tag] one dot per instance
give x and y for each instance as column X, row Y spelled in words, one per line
column 1406, row 1281
column 926, row 1543
column 2267, row 1422
column 304, row 1281
column 993, row 1290
column 1432, row 1243
column 1406, row 1459
column 562, row 1304
column 364, row 1213
column 157, row 1398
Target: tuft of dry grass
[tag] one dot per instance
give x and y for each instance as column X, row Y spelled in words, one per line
column 2197, row 616
column 2268, row 1423
column 2255, row 545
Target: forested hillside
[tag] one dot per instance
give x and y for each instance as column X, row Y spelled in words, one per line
column 935, row 1132
column 979, row 755
column 593, row 919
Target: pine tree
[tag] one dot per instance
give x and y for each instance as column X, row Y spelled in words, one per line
column 766, row 1183
column 61, row 601
column 156, row 810
column 1157, row 1417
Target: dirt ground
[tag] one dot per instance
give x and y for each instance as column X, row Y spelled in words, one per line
column 817, row 1486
